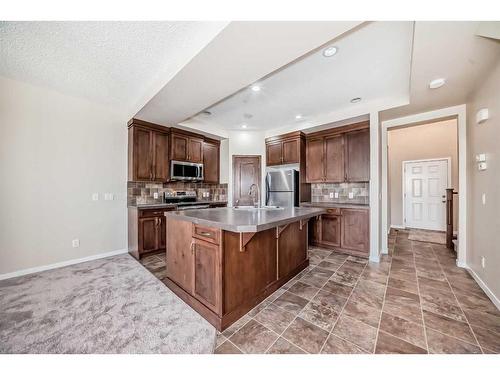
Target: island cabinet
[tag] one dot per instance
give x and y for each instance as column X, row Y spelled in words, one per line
column 224, row 274
column 185, row 146
column 343, row 229
column 148, row 155
column 339, row 155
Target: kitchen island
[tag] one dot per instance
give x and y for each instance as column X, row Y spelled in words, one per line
column 225, row 261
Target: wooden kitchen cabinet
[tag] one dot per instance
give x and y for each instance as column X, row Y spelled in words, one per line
column 355, row 230
column 211, row 164
column 184, row 147
column 345, row 230
column 285, row 149
column 148, row 150
column 315, row 171
column 206, row 273
column 292, row 249
column 358, row 156
column 146, row 231
column 339, row 155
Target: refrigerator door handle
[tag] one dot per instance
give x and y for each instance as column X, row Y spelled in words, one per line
column 267, row 189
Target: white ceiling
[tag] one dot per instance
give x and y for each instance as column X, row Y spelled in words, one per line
column 240, row 54
column 449, row 50
column 372, row 62
column 122, row 64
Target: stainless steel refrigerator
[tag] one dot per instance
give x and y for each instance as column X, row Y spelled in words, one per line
column 282, row 188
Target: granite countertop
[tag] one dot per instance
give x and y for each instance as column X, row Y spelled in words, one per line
column 334, row 205
column 243, row 220
column 174, row 205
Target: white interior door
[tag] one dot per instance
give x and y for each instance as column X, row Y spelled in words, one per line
column 425, row 193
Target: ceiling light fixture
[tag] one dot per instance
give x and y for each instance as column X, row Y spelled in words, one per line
column 330, row 51
column 298, row 117
column 256, row 88
column 244, row 126
column 355, row 100
column 437, row 83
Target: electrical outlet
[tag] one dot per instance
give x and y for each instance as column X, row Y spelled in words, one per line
column 95, row 196
column 109, row 196
column 75, row 242
column 483, row 262
column 332, row 195
column 351, row 195
column 483, row 198
column 155, row 195
column 336, row 194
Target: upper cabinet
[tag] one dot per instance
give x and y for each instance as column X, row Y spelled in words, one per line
column 184, row 147
column 147, row 152
column 151, row 147
column 211, row 151
column 339, row 155
column 284, row 149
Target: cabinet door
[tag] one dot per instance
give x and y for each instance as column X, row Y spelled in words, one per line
column 195, row 150
column 148, row 234
column 358, row 156
column 211, row 163
column 315, row 230
column 206, row 273
column 273, row 153
column 160, row 157
column 179, row 147
column 291, row 151
column 330, row 230
column 315, row 170
column 355, row 230
column 142, row 154
column 180, row 254
column 334, row 159
column 292, row 248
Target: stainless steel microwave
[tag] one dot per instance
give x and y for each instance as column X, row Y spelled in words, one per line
column 182, row 170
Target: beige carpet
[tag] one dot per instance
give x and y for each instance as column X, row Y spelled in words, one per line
column 427, row 236
column 111, row 305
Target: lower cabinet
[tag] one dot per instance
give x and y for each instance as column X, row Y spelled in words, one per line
column 146, row 231
column 206, row 273
column 346, row 230
column 292, row 249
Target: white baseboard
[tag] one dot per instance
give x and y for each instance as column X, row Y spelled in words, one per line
column 485, row 288
column 27, row 271
column 395, row 226
column 375, row 259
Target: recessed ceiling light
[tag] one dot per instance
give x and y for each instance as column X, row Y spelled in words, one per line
column 355, row 100
column 298, row 117
column 437, row 83
column 330, row 51
column 243, row 126
column 256, row 88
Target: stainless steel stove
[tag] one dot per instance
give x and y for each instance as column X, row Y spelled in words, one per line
column 185, row 200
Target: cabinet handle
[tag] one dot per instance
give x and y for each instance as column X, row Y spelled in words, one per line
column 206, row 234
column 192, row 247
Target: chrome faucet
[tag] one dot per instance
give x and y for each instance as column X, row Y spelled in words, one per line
column 255, row 192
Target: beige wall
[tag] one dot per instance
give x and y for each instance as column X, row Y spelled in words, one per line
column 483, row 221
column 435, row 140
column 55, row 151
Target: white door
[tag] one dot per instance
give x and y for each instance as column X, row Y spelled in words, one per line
column 425, row 193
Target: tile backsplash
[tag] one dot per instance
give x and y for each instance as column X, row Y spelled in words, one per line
column 143, row 192
column 360, row 192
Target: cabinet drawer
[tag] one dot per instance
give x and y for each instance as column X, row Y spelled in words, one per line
column 206, row 233
column 154, row 212
column 333, row 211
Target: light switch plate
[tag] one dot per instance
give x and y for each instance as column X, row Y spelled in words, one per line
column 155, row 195
column 95, row 196
column 331, row 195
column 75, row 242
column 336, row 194
column 351, row 195
column 483, row 198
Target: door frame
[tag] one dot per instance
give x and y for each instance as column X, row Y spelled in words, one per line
column 259, row 176
column 403, row 174
column 459, row 113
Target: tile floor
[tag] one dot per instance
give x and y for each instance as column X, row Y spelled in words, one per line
column 416, row 300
